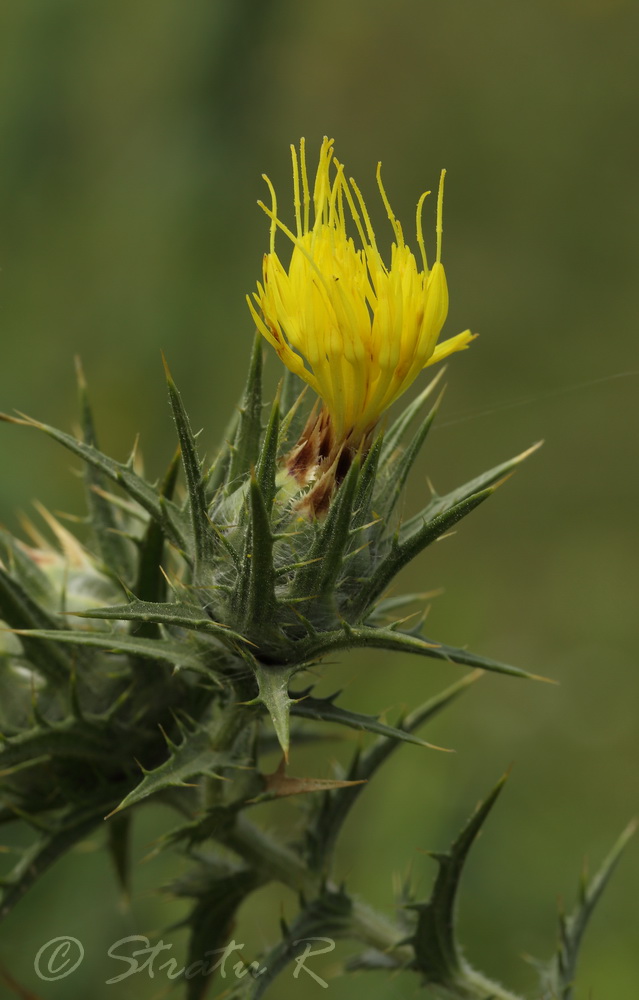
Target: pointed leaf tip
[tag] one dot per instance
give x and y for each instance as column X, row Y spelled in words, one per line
column 273, row 693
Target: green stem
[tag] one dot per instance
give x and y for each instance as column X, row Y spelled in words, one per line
column 275, row 861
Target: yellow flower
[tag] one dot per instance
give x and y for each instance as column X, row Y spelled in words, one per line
column 356, row 330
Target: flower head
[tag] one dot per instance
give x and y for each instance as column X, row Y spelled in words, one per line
column 357, row 330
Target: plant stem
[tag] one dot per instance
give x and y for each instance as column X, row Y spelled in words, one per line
column 276, row 861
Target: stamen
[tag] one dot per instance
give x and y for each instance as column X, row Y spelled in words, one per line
column 333, row 215
column 364, row 210
column 278, row 224
column 340, row 207
column 272, row 213
column 391, row 215
column 369, row 246
column 296, row 190
column 440, row 213
column 420, row 232
column 305, row 190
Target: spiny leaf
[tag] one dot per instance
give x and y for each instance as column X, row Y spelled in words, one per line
column 254, row 597
column 439, row 505
column 404, row 551
column 203, row 536
column 247, row 439
column 219, row 895
column 396, row 473
column 196, row 755
column 324, row 830
column 326, row 555
column 114, row 548
column 150, row 582
column 267, row 464
column 366, row 484
column 178, row 654
column 273, row 684
column 138, row 489
column 259, row 611
column 217, row 475
column 386, row 638
column 325, row 710
column 178, row 615
column 395, row 433
column 558, row 976
column 313, row 932
column 437, row 953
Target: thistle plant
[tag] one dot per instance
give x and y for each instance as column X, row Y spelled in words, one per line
column 160, row 660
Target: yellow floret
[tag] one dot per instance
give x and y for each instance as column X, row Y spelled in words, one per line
column 358, row 332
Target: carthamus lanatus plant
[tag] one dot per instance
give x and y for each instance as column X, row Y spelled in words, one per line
column 160, row 659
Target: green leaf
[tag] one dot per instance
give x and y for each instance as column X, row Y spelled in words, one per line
column 267, row 464
column 558, row 975
column 204, row 539
column 259, row 611
column 178, row 654
column 326, row 555
column 397, row 471
column 178, row 615
column 254, row 595
column 409, row 546
column 167, row 514
column 20, row 611
column 247, row 439
column 273, row 684
column 395, row 433
column 440, row 505
column 219, row 895
column 437, row 953
column 217, row 476
column 150, row 584
column 387, row 638
column 114, row 548
column 195, row 756
column 325, row 710
column 323, row 831
column 368, row 476
column 313, row 932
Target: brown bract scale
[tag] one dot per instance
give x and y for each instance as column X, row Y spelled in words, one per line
column 321, row 461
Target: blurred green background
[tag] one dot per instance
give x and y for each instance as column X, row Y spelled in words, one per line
column 133, row 136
